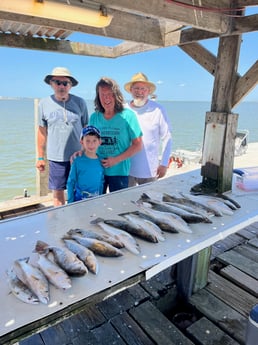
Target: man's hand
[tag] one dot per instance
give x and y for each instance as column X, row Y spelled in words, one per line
column 76, row 154
column 161, row 171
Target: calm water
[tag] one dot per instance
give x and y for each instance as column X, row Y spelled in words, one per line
column 17, row 137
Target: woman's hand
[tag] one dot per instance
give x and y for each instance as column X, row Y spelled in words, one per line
column 109, row 162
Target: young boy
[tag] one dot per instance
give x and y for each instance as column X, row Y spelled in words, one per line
column 86, row 176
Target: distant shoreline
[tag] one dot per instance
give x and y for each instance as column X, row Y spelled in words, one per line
column 6, row 98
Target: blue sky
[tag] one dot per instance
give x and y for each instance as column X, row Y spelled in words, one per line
column 177, row 76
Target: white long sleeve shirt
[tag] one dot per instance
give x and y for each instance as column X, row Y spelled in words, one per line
column 157, row 140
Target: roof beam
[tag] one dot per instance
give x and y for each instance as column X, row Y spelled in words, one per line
column 245, row 84
column 146, row 30
column 209, row 21
column 201, row 55
column 53, row 45
column 245, row 24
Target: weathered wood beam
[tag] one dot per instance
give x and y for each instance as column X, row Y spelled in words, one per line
column 223, row 91
column 226, row 73
column 128, row 48
column 187, row 36
column 209, row 21
column 245, row 24
column 247, row 3
column 127, row 27
column 58, row 46
column 245, row 84
column 201, row 55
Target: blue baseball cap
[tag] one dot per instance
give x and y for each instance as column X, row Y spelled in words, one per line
column 90, row 130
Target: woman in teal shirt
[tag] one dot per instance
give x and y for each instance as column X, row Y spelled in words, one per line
column 121, row 135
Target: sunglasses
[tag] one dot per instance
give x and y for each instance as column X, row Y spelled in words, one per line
column 60, row 82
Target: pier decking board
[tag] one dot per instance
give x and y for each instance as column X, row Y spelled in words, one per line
column 228, row 319
column 204, row 332
column 157, row 326
column 254, row 242
column 116, row 305
column 241, row 262
column 226, row 292
column 241, row 279
column 248, row 251
column 106, row 335
column 132, row 333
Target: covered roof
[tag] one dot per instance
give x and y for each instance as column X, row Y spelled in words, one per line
column 141, row 25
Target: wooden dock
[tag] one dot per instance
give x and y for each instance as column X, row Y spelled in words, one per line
column 152, row 312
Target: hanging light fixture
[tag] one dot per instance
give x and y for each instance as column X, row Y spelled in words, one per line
column 96, row 17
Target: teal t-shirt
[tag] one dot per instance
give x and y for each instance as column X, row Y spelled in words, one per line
column 117, row 134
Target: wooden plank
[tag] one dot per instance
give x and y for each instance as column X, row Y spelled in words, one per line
column 138, row 293
column 236, row 239
column 226, row 292
column 204, row 332
column 130, row 331
column 246, row 234
column 241, row 279
column 54, row 335
column 221, row 314
column 107, row 335
column 116, row 304
column 253, row 228
column 154, row 287
column 244, row 264
column 248, row 251
column 73, row 327
column 86, row 339
column 91, row 317
column 157, row 326
column 20, row 202
column 33, row 340
column 254, row 242
column 215, row 251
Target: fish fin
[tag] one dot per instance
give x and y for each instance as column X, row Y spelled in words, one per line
column 124, row 214
column 72, row 231
column 97, row 220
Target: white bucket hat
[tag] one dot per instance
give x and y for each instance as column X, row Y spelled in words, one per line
column 140, row 78
column 60, row 72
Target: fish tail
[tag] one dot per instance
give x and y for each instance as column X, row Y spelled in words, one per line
column 41, row 247
column 145, row 197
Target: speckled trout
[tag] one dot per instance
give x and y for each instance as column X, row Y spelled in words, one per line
column 63, row 257
column 33, row 278
column 84, row 254
column 19, row 289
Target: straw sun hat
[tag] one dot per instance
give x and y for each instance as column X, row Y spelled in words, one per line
column 61, row 72
column 140, row 78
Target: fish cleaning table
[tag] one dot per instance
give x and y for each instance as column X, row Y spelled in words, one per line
column 18, row 237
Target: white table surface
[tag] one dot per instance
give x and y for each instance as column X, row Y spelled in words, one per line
column 19, row 235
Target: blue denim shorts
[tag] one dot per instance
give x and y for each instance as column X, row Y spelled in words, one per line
column 58, row 175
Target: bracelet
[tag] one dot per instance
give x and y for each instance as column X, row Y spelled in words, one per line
column 41, row 158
